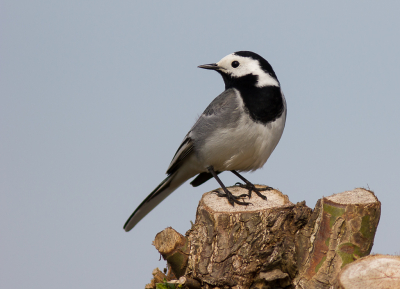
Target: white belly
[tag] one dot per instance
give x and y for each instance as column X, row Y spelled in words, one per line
column 244, row 148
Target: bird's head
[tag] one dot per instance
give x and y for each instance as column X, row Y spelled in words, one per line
column 244, row 68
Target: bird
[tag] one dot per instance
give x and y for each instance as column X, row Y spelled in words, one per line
column 237, row 132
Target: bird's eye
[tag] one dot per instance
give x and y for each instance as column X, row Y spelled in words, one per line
column 235, row 64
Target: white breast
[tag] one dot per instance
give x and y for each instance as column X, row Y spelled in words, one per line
column 245, row 147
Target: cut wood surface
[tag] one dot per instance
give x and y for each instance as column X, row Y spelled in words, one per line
column 376, row 271
column 220, row 205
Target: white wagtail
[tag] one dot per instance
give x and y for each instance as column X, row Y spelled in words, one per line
column 237, row 132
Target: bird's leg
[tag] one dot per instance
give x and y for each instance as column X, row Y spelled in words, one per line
column 249, row 186
column 231, row 198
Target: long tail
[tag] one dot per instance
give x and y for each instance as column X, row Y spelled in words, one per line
column 167, row 186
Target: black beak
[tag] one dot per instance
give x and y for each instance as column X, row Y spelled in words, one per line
column 211, row 66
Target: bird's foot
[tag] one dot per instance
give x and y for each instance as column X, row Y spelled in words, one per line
column 232, row 199
column 250, row 187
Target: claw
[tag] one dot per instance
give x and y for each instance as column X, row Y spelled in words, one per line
column 251, row 188
column 232, row 199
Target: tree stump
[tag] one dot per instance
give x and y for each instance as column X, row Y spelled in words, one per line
column 341, row 229
column 231, row 245
column 376, row 271
column 273, row 243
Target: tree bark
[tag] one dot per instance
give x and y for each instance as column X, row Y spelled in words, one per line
column 273, row 243
column 231, row 245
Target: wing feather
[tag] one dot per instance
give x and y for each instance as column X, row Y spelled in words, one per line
column 183, row 151
column 220, row 105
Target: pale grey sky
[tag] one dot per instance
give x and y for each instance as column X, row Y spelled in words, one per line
column 96, row 96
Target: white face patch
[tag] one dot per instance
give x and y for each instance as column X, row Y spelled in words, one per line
column 246, row 66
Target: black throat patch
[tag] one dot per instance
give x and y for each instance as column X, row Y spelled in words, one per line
column 263, row 104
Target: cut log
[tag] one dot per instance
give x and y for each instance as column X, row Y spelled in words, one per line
column 340, row 230
column 189, row 283
column 231, row 245
column 158, row 277
column 376, row 271
column 174, row 248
